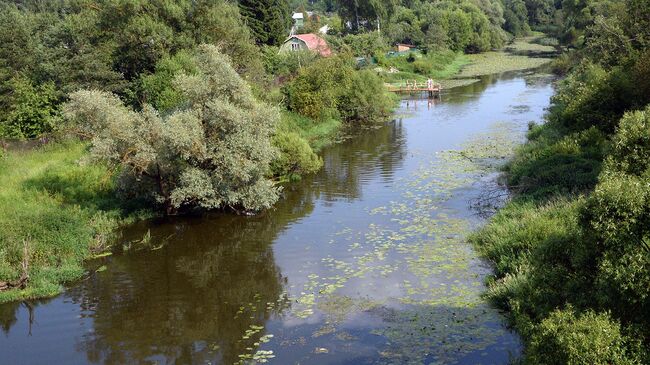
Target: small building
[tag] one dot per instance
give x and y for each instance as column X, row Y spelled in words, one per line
column 401, row 47
column 298, row 20
column 312, row 42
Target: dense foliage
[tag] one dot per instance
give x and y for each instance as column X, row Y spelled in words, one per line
column 213, row 152
column 572, row 251
column 331, row 88
column 269, row 20
column 52, row 49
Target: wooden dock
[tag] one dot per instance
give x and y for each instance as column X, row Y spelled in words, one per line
column 413, row 87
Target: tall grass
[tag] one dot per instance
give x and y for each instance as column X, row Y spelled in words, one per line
column 417, row 66
column 56, row 209
column 318, row 134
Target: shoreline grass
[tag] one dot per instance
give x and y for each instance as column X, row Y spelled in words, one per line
column 522, row 54
column 57, row 210
column 318, row 134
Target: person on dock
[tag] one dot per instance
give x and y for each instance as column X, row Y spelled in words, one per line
column 430, row 84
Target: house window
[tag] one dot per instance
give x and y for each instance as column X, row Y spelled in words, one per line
column 295, row 47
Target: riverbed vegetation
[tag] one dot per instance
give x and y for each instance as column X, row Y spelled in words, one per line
column 571, row 251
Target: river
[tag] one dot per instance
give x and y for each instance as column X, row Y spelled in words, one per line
column 365, row 262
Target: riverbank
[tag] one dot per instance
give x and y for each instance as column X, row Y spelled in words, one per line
column 451, row 69
column 56, row 213
column 570, row 251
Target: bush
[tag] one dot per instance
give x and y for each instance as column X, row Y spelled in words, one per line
column 316, row 90
column 295, row 157
column 630, row 151
column 213, row 153
column 593, row 96
column 32, row 109
column 567, row 338
column 366, row 101
column 533, row 249
column 550, row 164
column 617, row 221
column 157, row 88
column 317, row 133
column 364, row 44
column 285, row 63
column 332, row 88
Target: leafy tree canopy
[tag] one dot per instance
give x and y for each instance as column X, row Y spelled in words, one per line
column 213, row 152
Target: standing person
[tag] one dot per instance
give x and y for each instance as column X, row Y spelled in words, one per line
column 429, row 84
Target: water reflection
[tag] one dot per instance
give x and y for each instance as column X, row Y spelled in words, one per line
column 161, row 304
column 367, row 154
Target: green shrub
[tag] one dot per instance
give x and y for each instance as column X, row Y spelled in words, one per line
column 332, row 88
column 366, row 101
column 295, row 156
column 157, row 88
column 285, row 63
column 317, row 133
column 617, row 220
column 362, row 45
column 32, row 109
column 520, row 237
column 422, row 67
column 213, row 153
column 630, row 152
column 550, row 164
column 316, row 90
column 593, row 96
column 568, row 338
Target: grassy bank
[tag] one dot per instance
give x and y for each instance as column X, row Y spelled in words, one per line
column 56, row 213
column 418, row 66
column 317, row 134
column 571, row 251
column 455, row 69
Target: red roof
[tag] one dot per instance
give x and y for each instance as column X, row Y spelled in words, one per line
column 315, row 43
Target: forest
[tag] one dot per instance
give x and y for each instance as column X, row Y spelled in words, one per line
column 148, row 108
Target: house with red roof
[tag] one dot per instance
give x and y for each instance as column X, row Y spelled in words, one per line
column 312, row 42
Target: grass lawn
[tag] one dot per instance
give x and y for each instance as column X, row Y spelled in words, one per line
column 55, row 213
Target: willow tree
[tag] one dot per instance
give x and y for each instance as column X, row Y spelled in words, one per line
column 212, row 152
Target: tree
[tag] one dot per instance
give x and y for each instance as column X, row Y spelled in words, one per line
column 213, row 152
column 516, row 17
column 540, row 12
column 32, row 109
column 269, row 20
column 365, row 13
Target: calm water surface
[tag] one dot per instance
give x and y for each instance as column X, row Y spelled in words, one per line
column 364, row 263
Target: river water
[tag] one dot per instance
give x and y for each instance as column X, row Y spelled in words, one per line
column 363, row 263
